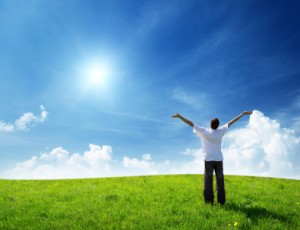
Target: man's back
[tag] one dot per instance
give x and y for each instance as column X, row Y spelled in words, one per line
column 211, row 141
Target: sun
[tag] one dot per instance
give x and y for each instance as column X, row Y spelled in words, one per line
column 97, row 75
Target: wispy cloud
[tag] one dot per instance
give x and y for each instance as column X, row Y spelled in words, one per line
column 291, row 112
column 25, row 122
column 194, row 100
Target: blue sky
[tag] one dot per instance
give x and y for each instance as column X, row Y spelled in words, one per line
column 203, row 59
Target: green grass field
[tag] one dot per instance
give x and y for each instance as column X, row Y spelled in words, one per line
column 149, row 202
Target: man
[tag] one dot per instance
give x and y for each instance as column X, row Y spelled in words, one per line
column 211, row 140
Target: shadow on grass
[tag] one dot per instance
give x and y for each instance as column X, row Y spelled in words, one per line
column 255, row 213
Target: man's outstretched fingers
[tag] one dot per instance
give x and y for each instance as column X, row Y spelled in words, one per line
column 175, row 115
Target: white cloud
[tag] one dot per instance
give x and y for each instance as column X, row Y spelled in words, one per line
column 194, row 166
column 261, row 148
column 26, row 121
column 6, row 127
column 96, row 162
column 147, row 157
column 97, row 153
column 196, row 153
column 59, row 163
column 57, row 153
column 145, row 166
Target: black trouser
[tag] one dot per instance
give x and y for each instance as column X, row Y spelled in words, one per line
column 208, row 192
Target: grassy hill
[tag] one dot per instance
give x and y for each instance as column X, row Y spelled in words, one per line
column 149, row 202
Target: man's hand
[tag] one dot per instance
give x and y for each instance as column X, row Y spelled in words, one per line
column 176, row 115
column 230, row 123
column 247, row 112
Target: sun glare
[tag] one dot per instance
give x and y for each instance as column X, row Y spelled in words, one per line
column 97, row 76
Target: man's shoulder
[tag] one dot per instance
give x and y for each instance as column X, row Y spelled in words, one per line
column 199, row 128
column 226, row 126
column 223, row 128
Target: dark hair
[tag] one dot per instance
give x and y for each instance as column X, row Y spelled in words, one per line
column 214, row 123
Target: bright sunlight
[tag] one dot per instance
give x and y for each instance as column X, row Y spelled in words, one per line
column 97, row 75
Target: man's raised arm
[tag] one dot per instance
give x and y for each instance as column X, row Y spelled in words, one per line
column 238, row 117
column 177, row 115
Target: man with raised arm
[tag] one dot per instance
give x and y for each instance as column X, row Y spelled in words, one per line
column 211, row 140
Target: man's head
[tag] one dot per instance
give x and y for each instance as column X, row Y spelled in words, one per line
column 214, row 123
